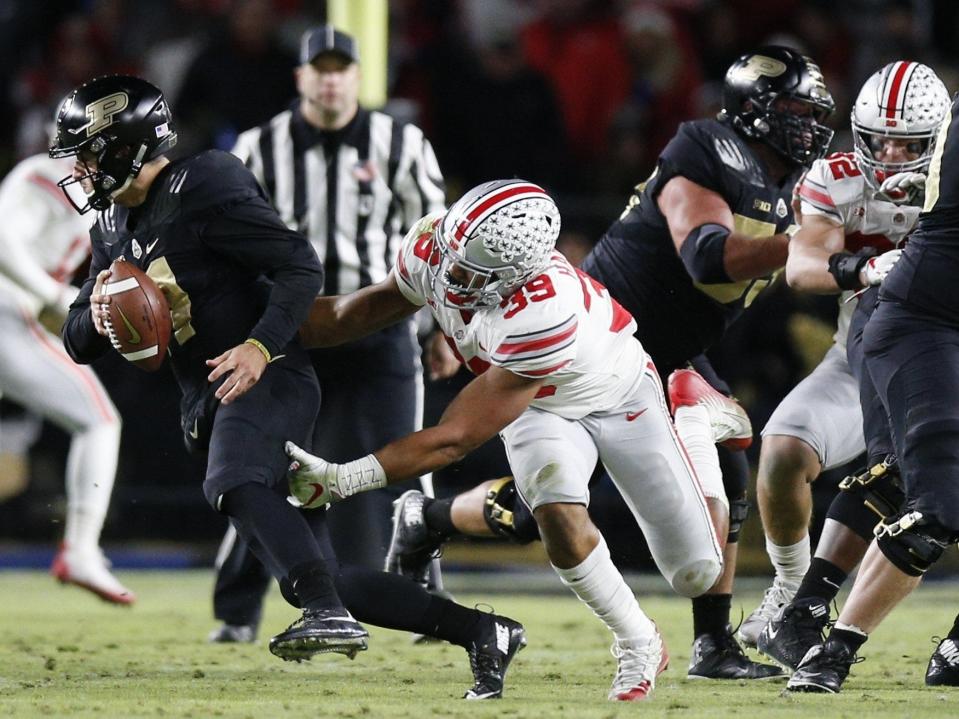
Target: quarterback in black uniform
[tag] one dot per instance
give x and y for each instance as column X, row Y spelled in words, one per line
column 239, row 283
column 911, row 352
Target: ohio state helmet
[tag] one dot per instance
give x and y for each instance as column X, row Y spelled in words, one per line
column 122, row 122
column 754, row 86
column 492, row 241
column 906, row 101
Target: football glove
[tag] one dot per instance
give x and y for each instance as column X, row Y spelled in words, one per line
column 314, row 482
column 904, row 187
column 876, row 268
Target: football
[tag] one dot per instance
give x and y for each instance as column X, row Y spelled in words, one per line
column 139, row 324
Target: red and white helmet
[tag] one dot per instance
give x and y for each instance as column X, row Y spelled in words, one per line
column 904, row 100
column 499, row 234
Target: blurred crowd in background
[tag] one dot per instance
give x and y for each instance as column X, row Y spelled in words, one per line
column 577, row 95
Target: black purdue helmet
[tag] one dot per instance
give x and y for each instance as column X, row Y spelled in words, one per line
column 121, row 120
column 751, row 89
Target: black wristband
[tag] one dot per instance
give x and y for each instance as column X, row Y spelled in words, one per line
column 845, row 267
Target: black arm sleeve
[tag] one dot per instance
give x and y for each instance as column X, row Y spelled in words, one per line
column 80, row 338
column 250, row 233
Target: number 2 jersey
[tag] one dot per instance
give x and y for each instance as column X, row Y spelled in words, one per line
column 562, row 325
column 835, row 188
column 637, row 260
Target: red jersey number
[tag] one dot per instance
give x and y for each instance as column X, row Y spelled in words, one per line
column 536, row 290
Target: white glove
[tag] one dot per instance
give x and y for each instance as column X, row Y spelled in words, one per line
column 904, row 187
column 876, row 268
column 314, row 482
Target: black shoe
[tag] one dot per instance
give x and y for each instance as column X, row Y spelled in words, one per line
column 412, row 545
column 490, row 655
column 943, row 670
column 233, row 634
column 796, row 628
column 719, row 656
column 320, row 631
column 823, row 669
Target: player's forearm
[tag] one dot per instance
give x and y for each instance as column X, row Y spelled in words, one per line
column 746, row 258
column 343, row 318
column 808, row 271
column 428, row 450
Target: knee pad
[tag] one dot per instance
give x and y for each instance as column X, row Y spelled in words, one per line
column 696, row 578
column 912, row 542
column 738, row 511
column 507, row 515
column 849, row 510
column 879, row 489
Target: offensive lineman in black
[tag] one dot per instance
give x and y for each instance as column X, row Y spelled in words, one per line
column 695, row 245
column 911, row 352
column 203, row 229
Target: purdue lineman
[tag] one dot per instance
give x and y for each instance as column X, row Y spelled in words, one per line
column 353, row 181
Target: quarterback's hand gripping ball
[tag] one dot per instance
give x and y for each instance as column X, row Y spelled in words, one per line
column 139, row 323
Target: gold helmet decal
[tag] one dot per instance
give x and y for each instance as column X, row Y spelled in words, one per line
column 759, row 66
column 101, row 113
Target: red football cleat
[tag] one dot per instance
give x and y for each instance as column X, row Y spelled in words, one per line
column 640, row 661
column 90, row 570
column 729, row 421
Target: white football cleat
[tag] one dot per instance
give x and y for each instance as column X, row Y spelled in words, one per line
column 729, row 421
column 640, row 661
column 90, row 570
column 776, row 597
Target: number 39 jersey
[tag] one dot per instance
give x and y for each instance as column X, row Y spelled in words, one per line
column 561, row 325
column 836, row 188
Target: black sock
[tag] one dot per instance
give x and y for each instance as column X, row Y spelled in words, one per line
column 852, row 640
column 438, row 514
column 395, row 602
column 313, row 585
column 954, row 632
column 823, row 579
column 711, row 613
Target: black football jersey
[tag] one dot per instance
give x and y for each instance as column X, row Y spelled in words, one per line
column 926, row 275
column 228, row 266
column 636, row 259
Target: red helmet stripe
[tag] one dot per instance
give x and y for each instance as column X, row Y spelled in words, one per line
column 893, row 99
column 501, row 196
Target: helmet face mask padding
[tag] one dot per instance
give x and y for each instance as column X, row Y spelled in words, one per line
column 760, row 93
column 902, row 101
column 119, row 121
column 492, row 241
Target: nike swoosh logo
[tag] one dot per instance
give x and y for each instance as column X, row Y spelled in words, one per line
column 152, row 245
column 770, row 632
column 135, row 337
column 195, row 432
column 630, row 416
column 317, row 493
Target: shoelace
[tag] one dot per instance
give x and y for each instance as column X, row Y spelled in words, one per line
column 634, row 665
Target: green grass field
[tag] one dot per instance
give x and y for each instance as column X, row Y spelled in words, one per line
column 64, row 653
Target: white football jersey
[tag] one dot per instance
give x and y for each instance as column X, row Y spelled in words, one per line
column 835, row 188
column 562, row 325
column 43, row 239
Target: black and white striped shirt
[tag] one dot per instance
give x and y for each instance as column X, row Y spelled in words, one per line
column 363, row 186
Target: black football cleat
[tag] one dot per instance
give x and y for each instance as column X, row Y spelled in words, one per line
column 796, row 628
column 719, row 656
column 490, row 655
column 320, row 631
column 412, row 545
column 943, row 669
column 823, row 669
column 233, row 634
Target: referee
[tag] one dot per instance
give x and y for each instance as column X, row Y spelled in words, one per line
column 353, row 181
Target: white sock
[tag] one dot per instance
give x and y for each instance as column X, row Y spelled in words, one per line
column 601, row 587
column 790, row 561
column 849, row 628
column 91, row 469
column 693, row 428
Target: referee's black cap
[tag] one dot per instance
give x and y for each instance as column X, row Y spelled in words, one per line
column 326, row 38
